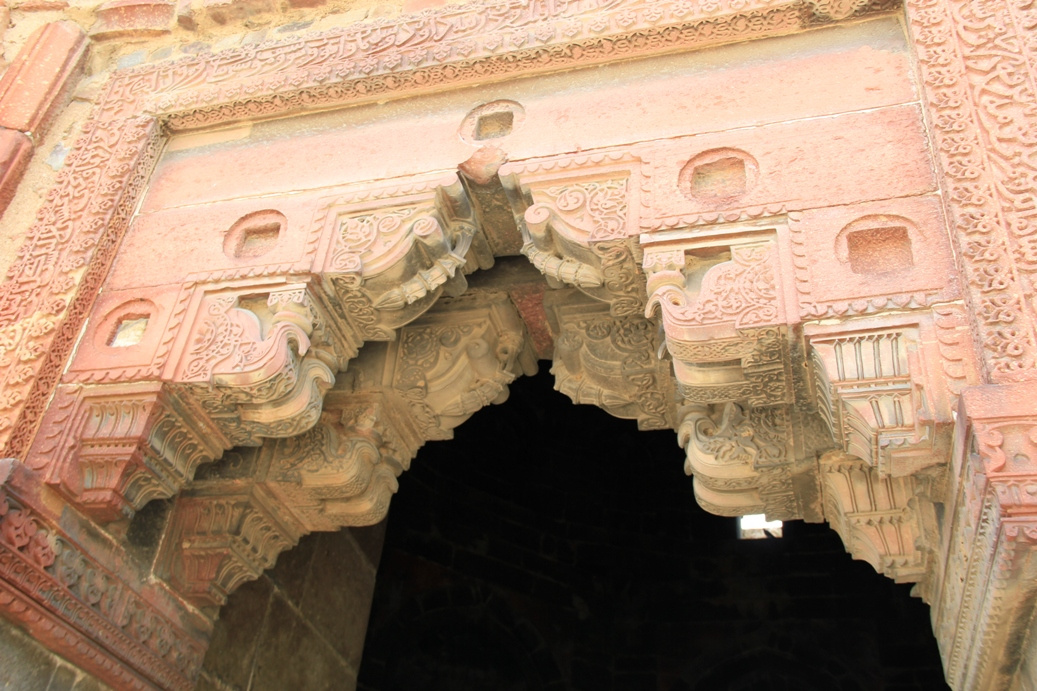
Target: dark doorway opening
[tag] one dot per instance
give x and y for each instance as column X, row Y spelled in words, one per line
column 550, row 546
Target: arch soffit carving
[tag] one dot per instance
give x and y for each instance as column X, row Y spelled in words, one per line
column 118, row 125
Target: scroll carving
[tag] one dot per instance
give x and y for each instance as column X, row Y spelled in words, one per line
column 388, row 263
column 577, row 217
column 739, row 460
column 242, row 511
column 724, row 320
column 609, row 361
column 253, row 366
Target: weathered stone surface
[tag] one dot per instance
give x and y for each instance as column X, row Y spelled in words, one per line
column 288, row 636
column 751, row 245
column 39, row 78
column 15, row 152
column 132, row 18
column 338, row 595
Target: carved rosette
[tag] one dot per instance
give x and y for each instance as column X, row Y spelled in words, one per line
column 386, row 262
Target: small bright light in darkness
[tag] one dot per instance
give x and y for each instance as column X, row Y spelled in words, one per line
column 756, row 527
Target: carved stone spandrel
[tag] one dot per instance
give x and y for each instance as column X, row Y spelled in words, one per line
column 608, row 361
column 458, row 358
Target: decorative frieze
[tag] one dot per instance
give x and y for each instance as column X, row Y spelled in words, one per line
column 104, row 617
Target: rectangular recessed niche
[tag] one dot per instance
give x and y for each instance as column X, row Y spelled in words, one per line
column 128, row 332
column 721, row 178
column 494, row 125
column 879, row 250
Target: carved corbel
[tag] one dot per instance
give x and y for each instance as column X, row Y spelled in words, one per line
column 243, row 510
column 254, row 362
column 387, row 263
column 723, row 315
column 260, row 362
column 880, row 394
column 578, row 220
column 609, row 361
column 247, row 508
column 875, row 516
column 220, row 535
column 457, row 359
column 343, row 472
column 740, row 460
column 114, row 448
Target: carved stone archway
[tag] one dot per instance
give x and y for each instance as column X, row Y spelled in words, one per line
column 830, row 342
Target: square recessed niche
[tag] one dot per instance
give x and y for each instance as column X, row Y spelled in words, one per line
column 494, row 125
column 724, row 177
column 128, row 332
column 879, row 250
column 259, row 240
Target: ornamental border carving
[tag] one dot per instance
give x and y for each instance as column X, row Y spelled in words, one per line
column 60, row 267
